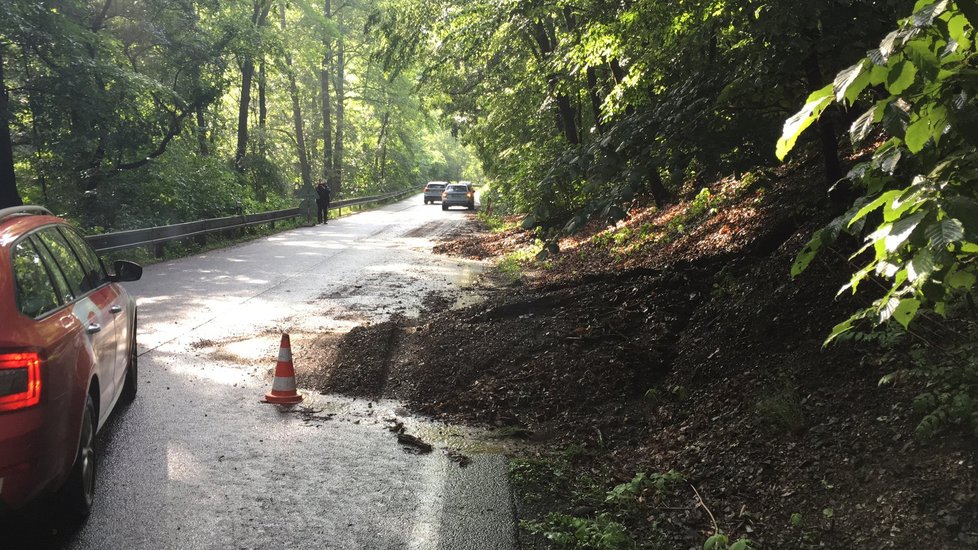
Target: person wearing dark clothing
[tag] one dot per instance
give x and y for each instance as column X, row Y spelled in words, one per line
column 322, row 202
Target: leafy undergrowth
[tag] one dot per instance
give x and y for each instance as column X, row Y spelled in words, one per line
column 675, row 346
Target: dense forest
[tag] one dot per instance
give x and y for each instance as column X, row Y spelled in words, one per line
column 125, row 113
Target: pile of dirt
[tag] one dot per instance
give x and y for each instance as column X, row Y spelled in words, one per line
column 678, row 341
column 482, row 244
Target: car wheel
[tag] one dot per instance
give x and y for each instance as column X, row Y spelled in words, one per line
column 472, row 207
column 79, row 490
column 132, row 369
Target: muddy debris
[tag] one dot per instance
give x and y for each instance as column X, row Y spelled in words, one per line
column 308, row 414
column 457, row 457
column 414, row 444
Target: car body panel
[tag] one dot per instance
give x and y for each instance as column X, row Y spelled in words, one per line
column 38, row 444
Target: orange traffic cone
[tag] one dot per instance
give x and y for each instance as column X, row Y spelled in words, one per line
column 283, row 388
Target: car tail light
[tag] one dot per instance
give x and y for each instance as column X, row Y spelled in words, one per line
column 425, row 188
column 20, row 380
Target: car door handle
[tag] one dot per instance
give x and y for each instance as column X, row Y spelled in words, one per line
column 94, row 327
column 115, row 309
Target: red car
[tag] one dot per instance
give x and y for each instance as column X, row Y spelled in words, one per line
column 67, row 357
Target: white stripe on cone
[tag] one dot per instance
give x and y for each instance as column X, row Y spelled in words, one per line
column 283, row 383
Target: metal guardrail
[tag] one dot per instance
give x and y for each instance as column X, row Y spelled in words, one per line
column 158, row 236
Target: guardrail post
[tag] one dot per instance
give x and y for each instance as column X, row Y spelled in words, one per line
column 159, row 249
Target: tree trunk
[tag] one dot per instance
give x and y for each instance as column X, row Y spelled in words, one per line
column 381, row 169
column 327, row 105
column 337, row 186
column 8, row 181
column 262, row 111
column 37, row 140
column 592, row 89
column 300, row 139
column 826, row 128
column 258, row 17
column 566, row 114
column 660, row 194
column 247, row 73
column 202, row 145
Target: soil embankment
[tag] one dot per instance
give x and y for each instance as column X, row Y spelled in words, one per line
column 678, row 342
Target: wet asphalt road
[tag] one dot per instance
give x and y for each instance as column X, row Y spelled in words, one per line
column 198, row 462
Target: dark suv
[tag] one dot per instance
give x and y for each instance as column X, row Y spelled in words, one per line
column 67, row 357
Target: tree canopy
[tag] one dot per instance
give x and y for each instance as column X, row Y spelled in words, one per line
column 124, row 114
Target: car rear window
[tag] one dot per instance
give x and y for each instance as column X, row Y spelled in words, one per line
column 460, row 188
column 35, row 290
column 436, row 186
column 94, row 270
column 74, row 273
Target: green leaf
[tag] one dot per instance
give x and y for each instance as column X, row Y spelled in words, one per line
column 807, row 254
column 938, row 122
column 851, row 82
column 529, row 222
column 896, row 208
column 944, row 233
column 965, row 210
column 741, row 544
column 886, row 309
column 862, row 126
column 906, row 310
column 891, row 43
column 925, row 16
column 921, row 4
column 918, row 134
column 961, row 279
column 901, row 77
column 857, row 278
column 876, row 203
column 901, row 230
column 878, row 75
column 716, row 542
column 794, row 126
column 921, row 266
column 957, row 30
column 970, row 10
column 923, row 57
column 841, row 328
column 887, row 157
column 896, row 116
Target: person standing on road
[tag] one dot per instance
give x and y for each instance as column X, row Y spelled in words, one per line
column 322, row 202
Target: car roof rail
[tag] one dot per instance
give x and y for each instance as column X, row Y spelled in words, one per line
column 24, row 210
